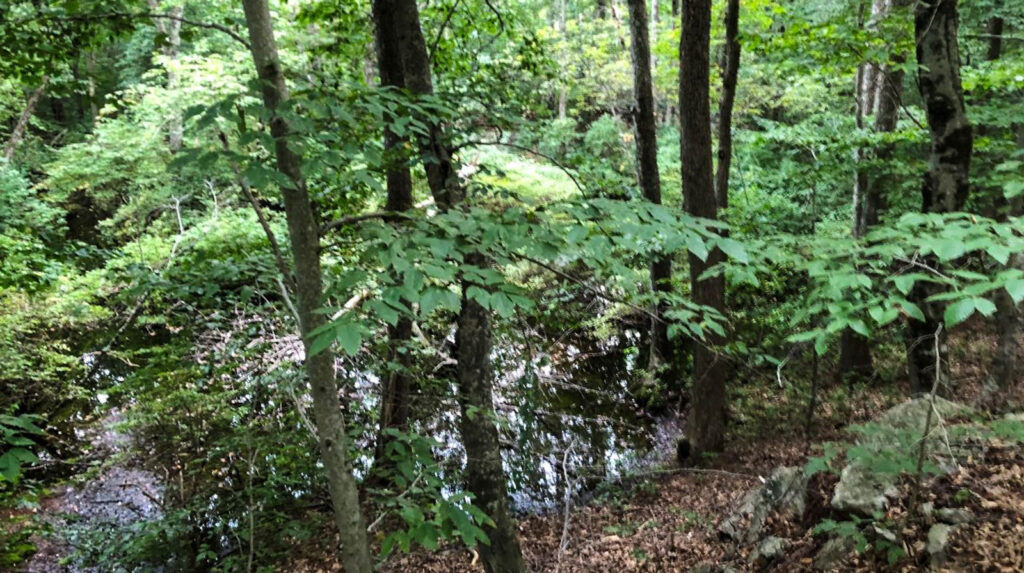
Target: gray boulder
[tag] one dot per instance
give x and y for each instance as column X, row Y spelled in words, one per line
column 938, row 541
column 833, row 554
column 861, row 489
column 785, row 491
column 954, row 516
column 769, row 549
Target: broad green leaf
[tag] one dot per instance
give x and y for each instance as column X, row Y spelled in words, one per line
column 734, row 249
column 1015, row 288
column 984, row 306
column 350, row 339
column 322, row 341
column 958, row 312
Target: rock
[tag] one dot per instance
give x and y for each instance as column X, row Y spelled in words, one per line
column 770, row 549
column 911, row 415
column 928, row 508
column 938, row 539
column 955, row 516
column 862, row 491
column 833, row 554
column 1014, row 417
column 884, row 533
column 709, row 567
column 784, row 491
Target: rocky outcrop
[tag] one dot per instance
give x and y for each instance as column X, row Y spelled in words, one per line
column 785, row 491
column 864, row 488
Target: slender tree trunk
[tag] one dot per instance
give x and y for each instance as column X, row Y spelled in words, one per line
column 946, row 182
column 18, row 133
column 706, row 423
column 485, row 474
column 396, row 383
column 655, row 16
column 994, row 29
column 1007, row 364
column 662, row 353
column 729, row 73
column 855, row 360
column 302, row 229
column 171, row 30
column 560, row 26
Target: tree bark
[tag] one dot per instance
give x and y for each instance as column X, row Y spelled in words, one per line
column 396, row 382
column 302, row 229
column 946, row 184
column 662, row 353
column 485, row 474
column 18, row 133
column 994, row 29
column 855, row 360
column 706, row 423
column 729, row 73
column 1006, row 365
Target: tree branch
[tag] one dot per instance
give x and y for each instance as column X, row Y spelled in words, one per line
column 353, row 219
column 139, row 15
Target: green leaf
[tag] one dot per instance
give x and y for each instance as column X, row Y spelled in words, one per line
column 904, row 283
column 482, row 297
column 350, row 339
column 1000, row 253
column 734, row 249
column 948, row 249
column 859, row 327
column 1015, row 288
column 322, row 341
column 696, row 246
column 912, row 310
column 501, row 304
column 958, row 312
column 984, row 306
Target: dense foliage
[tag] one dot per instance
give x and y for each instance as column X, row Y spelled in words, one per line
column 143, row 237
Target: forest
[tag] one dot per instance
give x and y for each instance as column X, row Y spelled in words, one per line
column 511, row 285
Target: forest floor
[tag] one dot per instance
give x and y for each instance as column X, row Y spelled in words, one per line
column 666, row 520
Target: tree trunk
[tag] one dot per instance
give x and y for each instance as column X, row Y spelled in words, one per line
column 855, row 360
column 661, row 354
column 1009, row 356
column 396, row 383
column 302, row 229
column 560, row 26
column 18, row 133
column 706, row 423
column 655, row 16
column 729, row 73
column 946, row 183
column 994, row 29
column 485, row 474
column 171, row 29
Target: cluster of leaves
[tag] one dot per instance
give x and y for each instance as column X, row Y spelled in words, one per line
column 419, row 498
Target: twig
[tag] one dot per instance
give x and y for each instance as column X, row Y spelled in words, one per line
column 381, row 517
column 564, row 543
column 534, row 152
column 923, row 448
column 440, row 30
column 282, row 267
